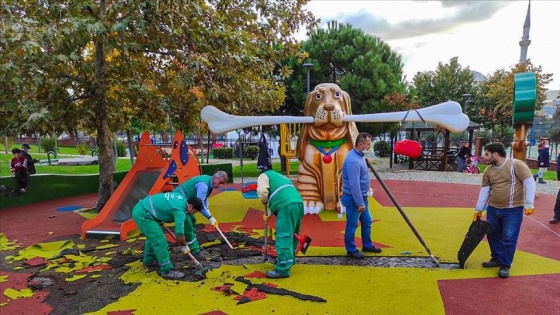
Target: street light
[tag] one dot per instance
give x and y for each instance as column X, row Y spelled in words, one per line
column 308, row 66
column 467, row 98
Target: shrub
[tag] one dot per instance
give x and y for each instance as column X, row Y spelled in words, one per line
column 223, row 153
column 382, row 148
column 83, row 148
column 252, row 151
column 121, row 148
column 47, row 144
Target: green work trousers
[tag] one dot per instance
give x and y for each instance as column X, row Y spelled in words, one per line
column 190, row 234
column 156, row 245
column 288, row 222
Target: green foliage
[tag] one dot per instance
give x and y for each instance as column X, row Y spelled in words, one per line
column 47, row 144
column 486, row 136
column 251, row 151
column 448, row 82
column 382, row 148
column 223, row 153
column 555, row 135
column 83, row 148
column 121, row 148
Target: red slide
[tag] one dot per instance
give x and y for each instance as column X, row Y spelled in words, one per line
column 150, row 174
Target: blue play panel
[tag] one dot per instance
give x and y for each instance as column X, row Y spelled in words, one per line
column 69, row 208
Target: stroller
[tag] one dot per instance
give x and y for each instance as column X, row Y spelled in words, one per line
column 472, row 167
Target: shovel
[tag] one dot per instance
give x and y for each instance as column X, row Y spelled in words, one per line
column 265, row 252
column 203, row 270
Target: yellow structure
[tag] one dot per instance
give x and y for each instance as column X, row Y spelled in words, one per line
column 288, row 143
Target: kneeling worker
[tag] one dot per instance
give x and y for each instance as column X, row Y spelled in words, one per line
column 285, row 202
column 167, row 207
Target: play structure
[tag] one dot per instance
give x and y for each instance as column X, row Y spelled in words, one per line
column 328, row 133
column 524, row 98
column 154, row 171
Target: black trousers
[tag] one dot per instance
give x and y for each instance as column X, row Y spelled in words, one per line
column 22, row 179
column 557, row 206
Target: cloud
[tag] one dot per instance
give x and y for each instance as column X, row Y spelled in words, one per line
column 453, row 14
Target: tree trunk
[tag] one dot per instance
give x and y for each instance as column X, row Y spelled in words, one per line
column 106, row 162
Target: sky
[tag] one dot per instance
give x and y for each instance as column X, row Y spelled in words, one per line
column 484, row 35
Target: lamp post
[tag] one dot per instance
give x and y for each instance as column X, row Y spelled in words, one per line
column 308, row 66
column 467, row 98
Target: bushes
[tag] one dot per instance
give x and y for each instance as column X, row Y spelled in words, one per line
column 252, row 151
column 223, row 153
column 382, row 148
column 47, row 144
column 121, row 148
column 83, row 148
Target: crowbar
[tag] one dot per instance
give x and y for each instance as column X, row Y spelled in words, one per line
column 405, row 217
column 196, row 262
column 224, row 237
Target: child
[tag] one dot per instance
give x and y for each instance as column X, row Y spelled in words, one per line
column 18, row 166
column 166, row 207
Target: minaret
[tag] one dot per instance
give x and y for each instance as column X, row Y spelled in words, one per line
column 525, row 41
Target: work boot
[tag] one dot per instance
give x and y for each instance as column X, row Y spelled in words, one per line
column 535, row 177
column 541, row 181
column 503, row 272
column 356, row 255
column 554, row 221
column 273, row 274
column 173, row 274
column 490, row 264
column 373, row 249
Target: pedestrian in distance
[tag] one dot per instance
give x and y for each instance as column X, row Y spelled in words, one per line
column 30, row 160
column 543, row 161
column 462, row 156
column 508, row 191
column 149, row 213
column 18, row 166
column 355, row 189
column 201, row 187
column 284, row 201
column 556, row 218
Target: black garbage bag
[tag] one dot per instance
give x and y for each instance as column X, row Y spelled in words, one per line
column 474, row 236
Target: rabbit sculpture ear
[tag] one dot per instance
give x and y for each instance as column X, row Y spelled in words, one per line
column 410, row 148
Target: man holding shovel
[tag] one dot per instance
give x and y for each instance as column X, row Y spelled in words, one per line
column 284, row 201
column 201, row 187
column 167, row 207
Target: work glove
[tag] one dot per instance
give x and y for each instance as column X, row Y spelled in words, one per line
column 370, row 192
column 185, row 249
column 213, row 221
column 478, row 214
column 266, row 218
column 529, row 208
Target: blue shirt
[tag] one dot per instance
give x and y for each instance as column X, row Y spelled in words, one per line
column 355, row 177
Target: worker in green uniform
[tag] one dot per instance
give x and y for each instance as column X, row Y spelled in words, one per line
column 166, row 207
column 285, row 202
column 201, row 187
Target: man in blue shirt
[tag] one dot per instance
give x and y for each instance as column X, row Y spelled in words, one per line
column 355, row 188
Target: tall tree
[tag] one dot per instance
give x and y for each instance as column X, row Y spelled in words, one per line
column 448, row 82
column 114, row 60
column 362, row 65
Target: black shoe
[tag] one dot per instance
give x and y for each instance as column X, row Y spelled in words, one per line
column 490, row 264
column 356, row 255
column 504, row 272
column 373, row 249
column 554, row 221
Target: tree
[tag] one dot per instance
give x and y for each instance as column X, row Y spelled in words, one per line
column 106, row 62
column 448, row 82
column 362, row 65
column 500, row 91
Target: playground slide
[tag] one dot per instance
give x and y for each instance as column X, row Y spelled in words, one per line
column 150, row 174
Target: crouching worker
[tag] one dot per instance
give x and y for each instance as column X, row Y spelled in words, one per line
column 285, row 202
column 167, row 207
